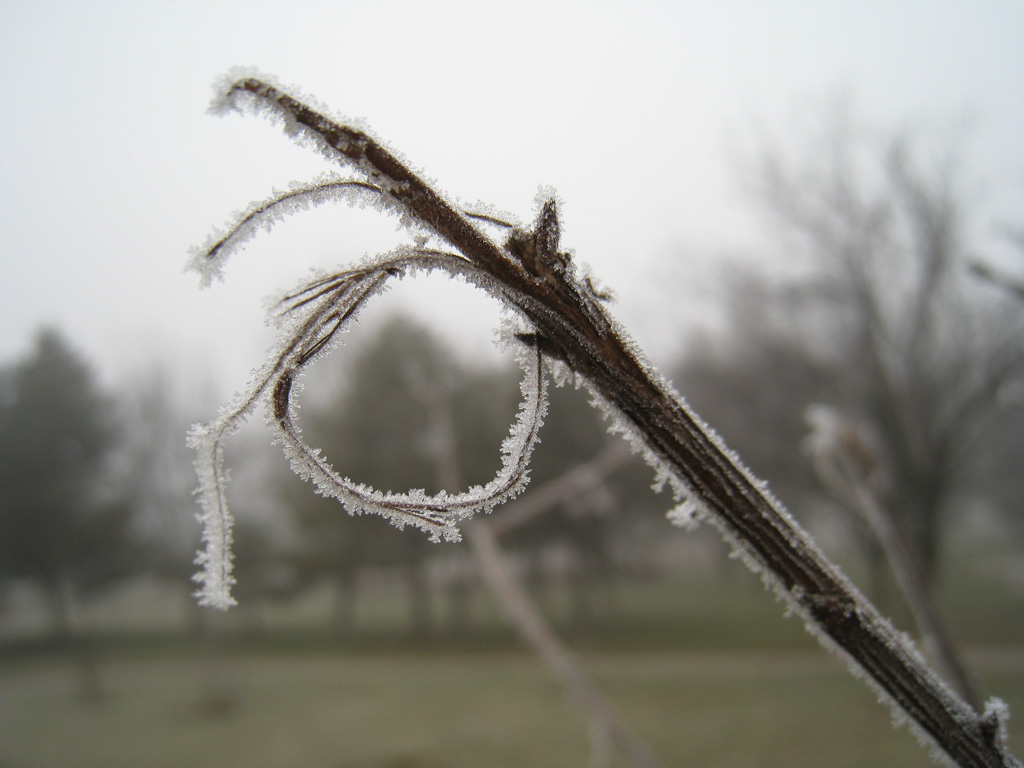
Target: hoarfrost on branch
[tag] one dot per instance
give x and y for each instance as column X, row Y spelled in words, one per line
column 562, row 320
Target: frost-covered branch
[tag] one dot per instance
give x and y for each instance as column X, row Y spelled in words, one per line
column 567, row 323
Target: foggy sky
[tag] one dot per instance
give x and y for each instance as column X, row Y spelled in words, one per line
column 636, row 112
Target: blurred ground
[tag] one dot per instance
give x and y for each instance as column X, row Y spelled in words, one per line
column 703, row 665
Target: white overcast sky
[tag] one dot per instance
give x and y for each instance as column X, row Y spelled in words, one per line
column 111, row 168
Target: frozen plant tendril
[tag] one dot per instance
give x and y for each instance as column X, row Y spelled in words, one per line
column 311, row 319
column 567, row 324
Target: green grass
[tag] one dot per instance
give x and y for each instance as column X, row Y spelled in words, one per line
column 703, row 664
column 404, row 710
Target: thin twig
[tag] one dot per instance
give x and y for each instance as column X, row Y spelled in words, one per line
column 523, row 614
column 607, row 727
column 845, row 461
column 574, row 483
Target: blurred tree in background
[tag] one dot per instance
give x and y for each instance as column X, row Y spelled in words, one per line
column 754, row 380
column 403, row 402
column 882, row 320
column 157, row 472
column 375, row 426
column 62, row 525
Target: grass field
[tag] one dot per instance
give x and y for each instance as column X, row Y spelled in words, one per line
column 703, row 667
column 394, row 710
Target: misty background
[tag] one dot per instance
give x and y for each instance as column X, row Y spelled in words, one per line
column 641, row 117
column 809, row 216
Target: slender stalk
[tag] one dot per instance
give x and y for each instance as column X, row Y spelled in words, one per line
column 835, row 459
column 535, row 630
column 577, row 481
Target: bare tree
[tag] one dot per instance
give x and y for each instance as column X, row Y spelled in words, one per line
column 566, row 324
column 157, row 469
column 921, row 351
column 64, row 524
column 758, row 359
